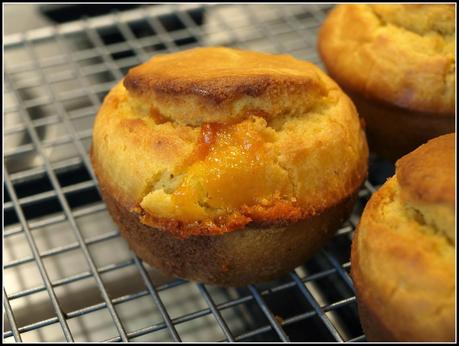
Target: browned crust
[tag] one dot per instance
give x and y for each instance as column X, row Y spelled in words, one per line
column 393, row 132
column 232, row 259
column 217, row 84
column 193, row 72
column 427, row 174
column 214, row 91
column 278, row 214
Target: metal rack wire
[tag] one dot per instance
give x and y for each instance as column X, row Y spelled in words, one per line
column 65, row 274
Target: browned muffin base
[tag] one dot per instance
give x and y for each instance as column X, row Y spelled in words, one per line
column 236, row 258
column 393, row 132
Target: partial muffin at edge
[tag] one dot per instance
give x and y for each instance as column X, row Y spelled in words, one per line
column 397, row 62
column 403, row 253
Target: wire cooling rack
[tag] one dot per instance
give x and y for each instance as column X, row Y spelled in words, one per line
column 68, row 275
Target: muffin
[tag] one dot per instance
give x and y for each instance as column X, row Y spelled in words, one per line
column 226, row 166
column 403, row 253
column 397, row 63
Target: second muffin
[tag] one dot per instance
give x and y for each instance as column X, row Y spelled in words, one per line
column 397, row 63
column 227, row 166
column 403, row 253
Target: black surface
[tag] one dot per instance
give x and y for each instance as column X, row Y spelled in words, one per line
column 66, row 13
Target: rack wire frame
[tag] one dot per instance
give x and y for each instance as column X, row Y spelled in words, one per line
column 103, row 52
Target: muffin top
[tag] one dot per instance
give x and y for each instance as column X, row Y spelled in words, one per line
column 209, row 140
column 403, row 55
column 427, row 180
column 224, row 85
column 405, row 244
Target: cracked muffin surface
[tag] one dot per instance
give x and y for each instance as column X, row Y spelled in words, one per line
column 209, row 140
column 397, row 62
column 403, row 253
column 403, row 54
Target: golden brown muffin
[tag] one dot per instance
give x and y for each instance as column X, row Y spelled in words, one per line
column 227, row 166
column 397, row 63
column 403, row 253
